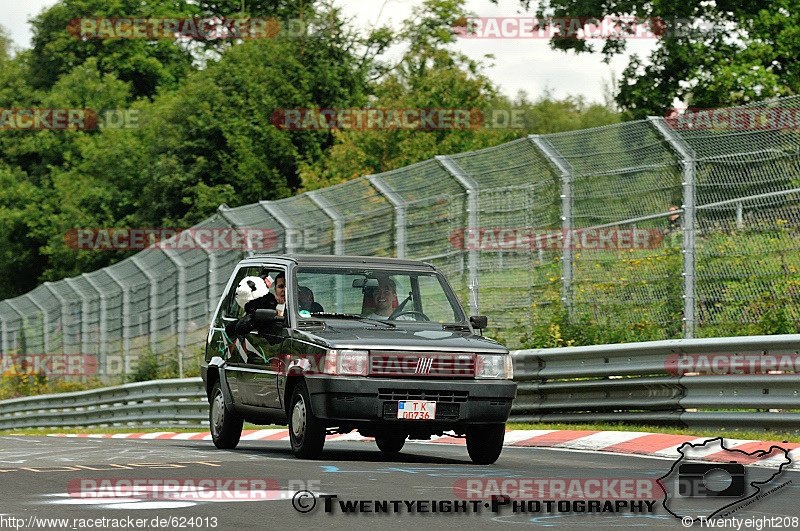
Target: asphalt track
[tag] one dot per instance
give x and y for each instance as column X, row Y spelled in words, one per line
column 36, row 472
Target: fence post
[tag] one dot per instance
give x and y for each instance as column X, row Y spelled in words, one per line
column 180, row 267
column 153, row 302
column 3, row 334
column 471, row 189
column 688, row 161
column 103, row 324
column 338, row 238
column 567, row 258
column 4, row 331
column 21, row 318
column 64, row 313
column 739, row 215
column 399, row 209
column 126, row 319
column 84, row 315
column 212, row 272
column 290, row 233
column 221, row 210
column 334, row 215
column 45, row 323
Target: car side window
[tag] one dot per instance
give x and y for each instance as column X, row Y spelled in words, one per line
column 230, row 309
column 280, row 286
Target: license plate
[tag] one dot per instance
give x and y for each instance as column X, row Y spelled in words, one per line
column 416, row 409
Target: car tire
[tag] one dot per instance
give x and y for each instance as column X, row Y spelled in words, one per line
column 226, row 426
column 485, row 442
column 306, row 431
column 390, row 443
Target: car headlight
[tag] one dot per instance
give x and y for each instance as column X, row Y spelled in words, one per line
column 350, row 362
column 497, row 366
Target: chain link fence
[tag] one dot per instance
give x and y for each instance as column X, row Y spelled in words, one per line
column 725, row 202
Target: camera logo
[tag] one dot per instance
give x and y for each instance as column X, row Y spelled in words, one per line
column 695, row 480
column 710, row 480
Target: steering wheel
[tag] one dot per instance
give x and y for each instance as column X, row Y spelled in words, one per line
column 424, row 317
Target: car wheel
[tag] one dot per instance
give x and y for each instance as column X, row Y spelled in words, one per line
column 306, row 432
column 226, row 427
column 485, row 442
column 390, row 443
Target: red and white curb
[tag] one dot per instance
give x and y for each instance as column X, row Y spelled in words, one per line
column 622, row 442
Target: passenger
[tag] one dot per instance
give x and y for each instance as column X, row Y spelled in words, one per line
column 251, row 294
column 280, row 292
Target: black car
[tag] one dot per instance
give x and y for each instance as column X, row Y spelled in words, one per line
column 378, row 345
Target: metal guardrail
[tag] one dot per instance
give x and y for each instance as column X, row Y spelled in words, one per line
column 627, row 383
column 165, row 403
column 630, row 382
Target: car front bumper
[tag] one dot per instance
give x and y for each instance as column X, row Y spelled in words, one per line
column 375, row 400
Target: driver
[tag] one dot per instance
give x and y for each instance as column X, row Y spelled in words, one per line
column 383, row 297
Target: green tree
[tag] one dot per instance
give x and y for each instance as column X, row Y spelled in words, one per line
column 145, row 64
column 18, row 249
column 212, row 141
column 747, row 56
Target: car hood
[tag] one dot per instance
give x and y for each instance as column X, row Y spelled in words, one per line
column 401, row 339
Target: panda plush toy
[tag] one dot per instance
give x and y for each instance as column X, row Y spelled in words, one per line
column 252, row 294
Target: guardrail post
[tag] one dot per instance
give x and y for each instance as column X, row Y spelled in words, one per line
column 180, row 266
column 290, row 232
column 471, row 189
column 64, row 312
column 399, row 208
column 126, row 320
column 688, row 159
column 103, row 324
column 153, row 302
column 567, row 258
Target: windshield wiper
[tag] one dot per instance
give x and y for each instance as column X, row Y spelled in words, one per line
column 354, row 317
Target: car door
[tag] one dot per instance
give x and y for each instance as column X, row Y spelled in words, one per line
column 220, row 343
column 254, row 356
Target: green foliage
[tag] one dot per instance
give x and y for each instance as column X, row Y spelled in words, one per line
column 147, row 65
column 157, row 366
column 746, row 56
column 560, row 331
column 148, row 367
column 13, row 385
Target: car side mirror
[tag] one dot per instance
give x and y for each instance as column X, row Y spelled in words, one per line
column 266, row 317
column 479, row 321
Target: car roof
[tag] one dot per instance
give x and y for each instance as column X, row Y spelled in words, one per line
column 340, row 260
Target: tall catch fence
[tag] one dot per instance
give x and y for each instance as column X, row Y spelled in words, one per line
column 725, row 203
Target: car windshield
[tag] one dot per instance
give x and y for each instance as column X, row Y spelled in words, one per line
column 375, row 296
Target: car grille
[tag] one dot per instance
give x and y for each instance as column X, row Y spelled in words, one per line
column 421, row 364
column 420, row 394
